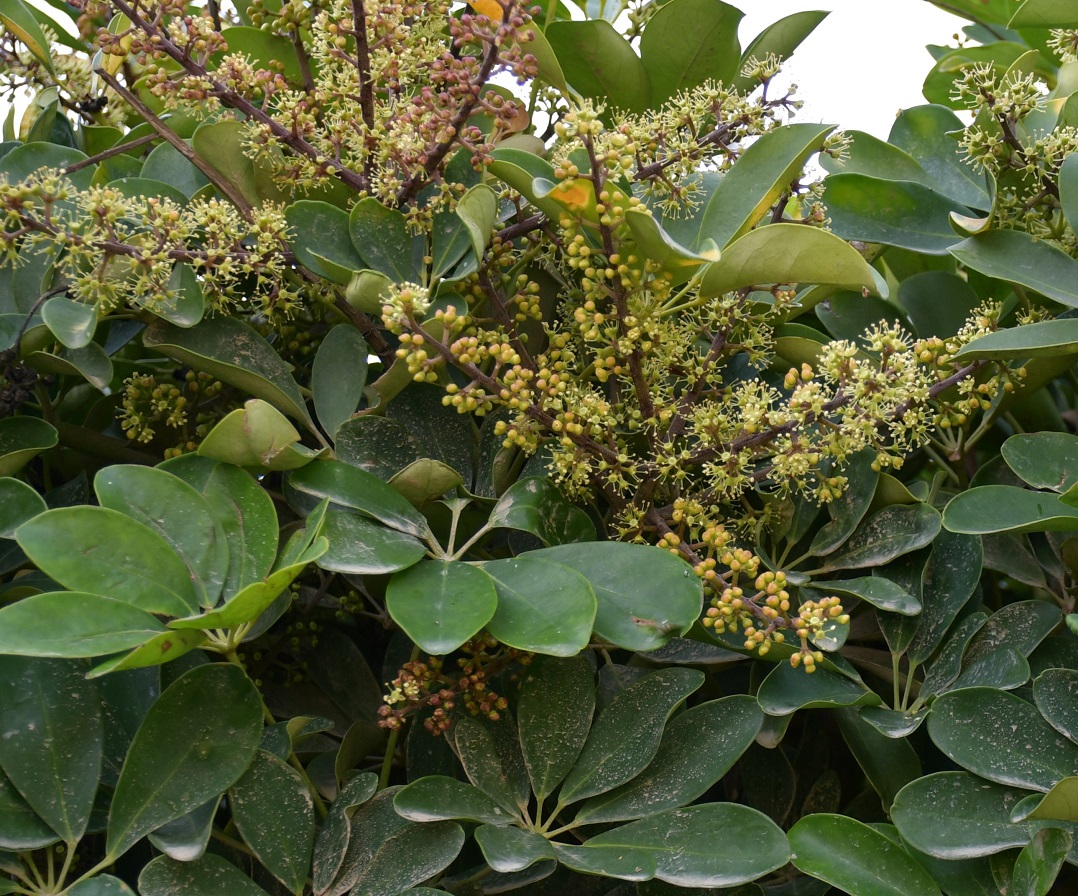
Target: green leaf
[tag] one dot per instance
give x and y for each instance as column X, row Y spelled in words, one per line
column 630, row 616
column 895, row 213
column 185, row 838
column 599, row 63
column 20, row 826
column 1015, row 256
column 1044, row 14
column 249, row 519
column 18, row 18
column 607, row 860
column 256, row 436
column 273, row 812
column 786, row 690
column 543, row 607
column 1014, row 630
column 490, row 754
column 441, row 604
column 167, row 165
column 161, row 648
column 351, row 487
column 625, row 737
column 874, row 157
column 338, row 376
column 438, row 798
column 937, row 302
column 103, row 551
column 73, row 323
column 424, row 480
column 1045, row 339
column 952, row 573
column 875, row 590
column 187, row 304
column 478, row 210
column 662, row 248
column 331, row 845
column 19, row 503
column 762, row 174
column 381, row 236
column 510, row 849
column 535, row 505
column 888, row 763
column 677, row 58
column 927, row 134
column 175, row 511
column 230, row 350
column 387, row 853
column 1043, row 459
column 850, row 507
column 1060, row 803
column 1039, row 862
column 698, row 747
column 1068, row 189
column 321, row 239
column 787, row 253
column 68, row 624
column 101, row 885
column 196, row 741
column 976, row 727
column 89, row 362
column 51, row 739
column 360, row 546
column 956, row 815
column 855, row 858
column 890, row 533
column 682, row 844
column 21, row 440
column 520, row 170
column 780, row 38
column 1055, row 691
column 222, row 144
column 988, row 509
column 250, row 602
column 208, row 876
column 557, row 699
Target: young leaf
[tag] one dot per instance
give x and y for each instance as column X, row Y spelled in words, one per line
column 625, row 737
column 780, row 38
column 51, row 739
column 440, row 604
column 195, row 742
column 18, row 18
column 557, row 699
column 274, row 813
column 853, row 857
column 256, row 436
column 478, row 210
column 103, row 551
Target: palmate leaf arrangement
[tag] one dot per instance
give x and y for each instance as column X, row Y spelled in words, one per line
column 457, row 449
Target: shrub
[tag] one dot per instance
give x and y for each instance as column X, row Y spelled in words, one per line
column 460, row 450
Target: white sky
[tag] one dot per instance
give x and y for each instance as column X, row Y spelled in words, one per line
column 866, row 60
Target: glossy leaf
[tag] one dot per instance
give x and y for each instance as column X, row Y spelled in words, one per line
column 161, row 648
column 1055, row 692
column 321, row 239
column 387, row 853
column 21, row 440
column 51, row 739
column 1044, row 339
column 889, row 533
column 888, row 763
column 895, row 213
column 273, row 811
column 249, row 519
column 787, row 253
column 543, row 607
column 628, row 615
column 599, row 63
column 698, row 747
column 976, row 728
column 876, row 590
column 18, row 18
column 338, row 376
column 625, row 737
column 361, row 546
column 100, row 885
column 762, row 174
column 557, row 699
column 19, row 503
column 232, row 351
column 536, row 506
column 855, row 858
column 73, row 323
column 786, row 690
column 351, row 487
column 662, row 248
column 21, row 828
column 257, row 436
column 438, row 798
column 781, row 38
column 441, row 604
column 678, row 59
column 207, row 876
column 1043, row 459
column 989, row 509
column 1014, row 630
column 1016, row 256
column 72, row 624
column 185, row 838
column 849, row 508
column 332, row 841
column 492, row 760
column 196, row 741
column 1042, row 14
column 1039, row 862
column 381, row 236
column 681, row 842
column 950, row 577
column 478, row 211
column 510, row 849
column 103, row 551
column 176, row 512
